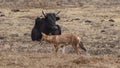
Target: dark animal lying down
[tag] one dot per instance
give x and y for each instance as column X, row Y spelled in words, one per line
column 46, row 25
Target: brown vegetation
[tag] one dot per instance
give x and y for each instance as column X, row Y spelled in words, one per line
column 96, row 21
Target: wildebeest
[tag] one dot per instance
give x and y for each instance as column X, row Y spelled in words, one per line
column 64, row 39
column 47, row 25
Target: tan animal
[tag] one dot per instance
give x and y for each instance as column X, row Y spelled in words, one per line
column 64, row 39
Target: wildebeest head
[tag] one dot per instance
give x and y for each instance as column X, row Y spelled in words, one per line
column 51, row 19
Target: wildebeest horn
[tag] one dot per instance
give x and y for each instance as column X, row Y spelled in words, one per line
column 43, row 13
column 58, row 12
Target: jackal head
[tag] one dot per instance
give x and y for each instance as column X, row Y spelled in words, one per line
column 44, row 36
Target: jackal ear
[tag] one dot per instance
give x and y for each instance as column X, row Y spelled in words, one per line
column 43, row 34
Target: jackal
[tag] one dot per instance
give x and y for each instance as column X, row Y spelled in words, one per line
column 64, row 39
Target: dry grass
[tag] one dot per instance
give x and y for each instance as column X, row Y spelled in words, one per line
column 100, row 35
column 42, row 60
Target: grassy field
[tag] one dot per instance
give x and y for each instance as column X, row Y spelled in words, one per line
column 97, row 22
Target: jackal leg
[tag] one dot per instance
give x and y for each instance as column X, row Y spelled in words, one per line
column 76, row 49
column 56, row 48
column 63, row 50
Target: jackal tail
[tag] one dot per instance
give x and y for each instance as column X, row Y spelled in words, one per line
column 82, row 46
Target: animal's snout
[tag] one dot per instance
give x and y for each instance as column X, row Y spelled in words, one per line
column 54, row 28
